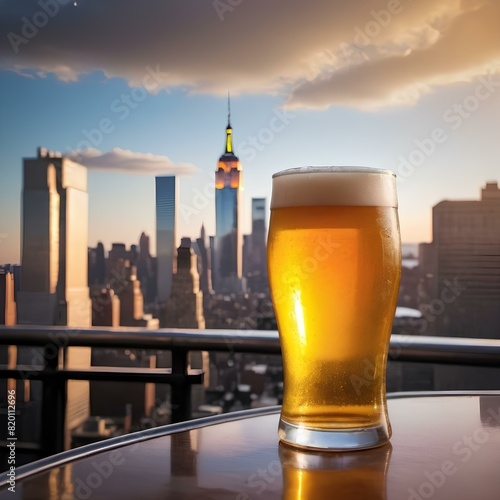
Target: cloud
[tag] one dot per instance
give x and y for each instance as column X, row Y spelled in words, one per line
column 466, row 46
column 368, row 53
column 129, row 162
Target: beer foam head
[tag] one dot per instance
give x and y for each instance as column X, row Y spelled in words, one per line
column 334, row 186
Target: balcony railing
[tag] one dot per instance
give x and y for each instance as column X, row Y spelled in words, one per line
column 54, row 374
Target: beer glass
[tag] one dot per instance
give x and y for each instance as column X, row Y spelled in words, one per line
column 334, row 265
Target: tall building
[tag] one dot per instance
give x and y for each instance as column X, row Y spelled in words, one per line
column 8, row 354
column 105, row 307
column 461, row 281
column 185, row 310
column 204, row 263
column 255, row 256
column 464, row 264
column 132, row 300
column 116, row 258
column 166, row 208
column 7, row 303
column 227, row 269
column 54, row 288
column 146, row 273
column 185, row 305
column 97, row 265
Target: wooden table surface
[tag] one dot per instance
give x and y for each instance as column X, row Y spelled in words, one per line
column 443, row 447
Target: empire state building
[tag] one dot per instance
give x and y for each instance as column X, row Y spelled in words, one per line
column 228, row 199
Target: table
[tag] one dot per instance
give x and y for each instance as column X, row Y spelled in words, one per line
column 444, row 446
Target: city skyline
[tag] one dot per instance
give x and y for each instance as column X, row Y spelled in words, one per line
column 399, row 85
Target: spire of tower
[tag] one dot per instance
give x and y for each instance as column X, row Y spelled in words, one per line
column 202, row 232
column 229, row 130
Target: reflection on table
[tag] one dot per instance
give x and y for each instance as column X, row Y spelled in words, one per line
column 443, row 447
column 345, row 475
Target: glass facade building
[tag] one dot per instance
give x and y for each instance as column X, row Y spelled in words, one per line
column 166, row 204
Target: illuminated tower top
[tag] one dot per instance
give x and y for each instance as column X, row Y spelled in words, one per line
column 228, row 161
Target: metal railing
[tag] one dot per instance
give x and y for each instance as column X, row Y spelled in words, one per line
column 54, row 375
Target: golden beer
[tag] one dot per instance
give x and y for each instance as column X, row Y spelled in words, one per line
column 309, row 475
column 334, row 260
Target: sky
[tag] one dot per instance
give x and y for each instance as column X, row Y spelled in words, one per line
column 139, row 88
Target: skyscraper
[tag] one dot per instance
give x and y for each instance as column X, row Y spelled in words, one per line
column 255, row 249
column 227, row 270
column 205, row 268
column 461, row 273
column 185, row 307
column 146, row 270
column 166, row 208
column 464, row 264
column 54, row 288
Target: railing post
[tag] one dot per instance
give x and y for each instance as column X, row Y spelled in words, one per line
column 53, row 403
column 180, row 398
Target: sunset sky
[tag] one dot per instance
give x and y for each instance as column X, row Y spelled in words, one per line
column 135, row 89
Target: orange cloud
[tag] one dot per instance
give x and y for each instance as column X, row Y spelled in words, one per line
column 367, row 54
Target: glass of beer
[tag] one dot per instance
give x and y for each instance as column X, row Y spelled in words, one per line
column 334, row 265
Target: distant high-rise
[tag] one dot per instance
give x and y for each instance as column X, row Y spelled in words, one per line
column 105, row 308
column 463, row 263
column 97, row 265
column 166, row 208
column 255, row 264
column 204, row 263
column 259, row 216
column 185, row 307
column 8, row 354
column 7, row 303
column 460, row 272
column 132, row 301
column 227, row 269
column 146, row 272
